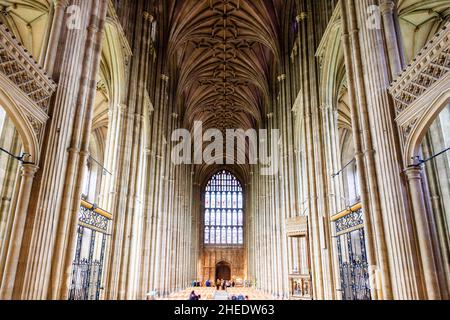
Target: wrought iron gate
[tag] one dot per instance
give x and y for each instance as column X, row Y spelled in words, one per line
column 351, row 248
column 87, row 267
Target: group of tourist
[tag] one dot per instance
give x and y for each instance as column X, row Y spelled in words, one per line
column 196, row 284
column 220, row 284
column 194, row 297
column 238, row 297
column 223, row 284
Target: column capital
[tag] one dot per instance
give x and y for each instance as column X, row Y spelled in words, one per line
column 29, row 170
column 85, row 153
column 60, row 3
column 324, row 107
column 387, row 7
column 414, row 172
column 301, row 16
column 148, row 16
column 122, row 107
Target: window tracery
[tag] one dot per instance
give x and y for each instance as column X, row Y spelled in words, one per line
column 224, row 210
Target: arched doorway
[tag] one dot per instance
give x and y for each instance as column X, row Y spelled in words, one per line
column 223, row 271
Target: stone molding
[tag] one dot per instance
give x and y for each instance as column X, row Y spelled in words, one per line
column 21, row 68
column 418, row 87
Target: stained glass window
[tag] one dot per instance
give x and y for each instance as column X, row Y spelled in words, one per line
column 224, row 200
column 207, row 221
column 213, row 199
column 224, row 210
column 224, row 218
column 218, row 238
column 235, row 220
column 218, row 218
column 240, row 218
column 235, row 237
column 212, row 235
column 218, row 200
column 213, row 218
column 206, row 235
column 207, row 203
column 240, row 235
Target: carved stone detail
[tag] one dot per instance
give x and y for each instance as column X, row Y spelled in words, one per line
column 408, row 128
column 18, row 65
column 429, row 67
column 37, row 126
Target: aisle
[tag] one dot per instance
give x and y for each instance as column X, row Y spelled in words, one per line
column 221, row 295
column 213, row 294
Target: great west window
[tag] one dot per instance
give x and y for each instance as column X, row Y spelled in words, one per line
column 224, row 210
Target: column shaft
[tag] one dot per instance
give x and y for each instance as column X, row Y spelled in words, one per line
column 17, row 232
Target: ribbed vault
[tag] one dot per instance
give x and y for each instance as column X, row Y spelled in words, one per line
column 29, row 21
column 223, row 52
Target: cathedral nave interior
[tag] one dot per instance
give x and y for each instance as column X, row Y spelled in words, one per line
column 340, row 111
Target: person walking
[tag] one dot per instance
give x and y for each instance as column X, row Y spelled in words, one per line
column 193, row 296
column 218, row 284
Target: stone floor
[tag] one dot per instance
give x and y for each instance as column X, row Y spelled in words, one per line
column 213, row 294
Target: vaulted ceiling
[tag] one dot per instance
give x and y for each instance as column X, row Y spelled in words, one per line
column 224, row 51
column 419, row 21
column 29, row 21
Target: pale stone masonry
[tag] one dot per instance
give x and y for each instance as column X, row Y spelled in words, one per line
column 92, row 205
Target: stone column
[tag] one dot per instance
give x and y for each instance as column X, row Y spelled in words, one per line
column 414, row 175
column 358, row 144
column 43, row 212
column 194, row 225
column 396, row 60
column 327, row 194
column 316, row 111
column 162, row 191
column 169, row 195
column 285, row 186
column 316, row 254
column 139, row 69
column 54, row 39
column 65, row 245
column 388, row 208
column 17, row 232
column 398, row 255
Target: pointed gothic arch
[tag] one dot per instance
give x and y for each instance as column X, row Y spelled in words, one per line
column 23, row 122
column 430, row 111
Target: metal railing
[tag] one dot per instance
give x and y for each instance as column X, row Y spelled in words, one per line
column 87, row 267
